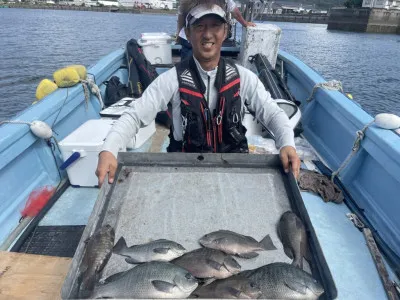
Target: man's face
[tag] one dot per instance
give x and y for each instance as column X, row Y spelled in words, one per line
column 206, row 36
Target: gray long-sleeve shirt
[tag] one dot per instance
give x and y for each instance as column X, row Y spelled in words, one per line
column 165, row 89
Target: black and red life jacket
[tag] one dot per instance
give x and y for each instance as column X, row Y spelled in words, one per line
column 203, row 130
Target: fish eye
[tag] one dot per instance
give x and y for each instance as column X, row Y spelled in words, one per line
column 252, row 285
column 188, row 276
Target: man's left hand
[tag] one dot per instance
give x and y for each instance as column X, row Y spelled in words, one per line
column 290, row 159
column 250, row 24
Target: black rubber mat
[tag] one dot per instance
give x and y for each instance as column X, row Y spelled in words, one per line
column 53, row 240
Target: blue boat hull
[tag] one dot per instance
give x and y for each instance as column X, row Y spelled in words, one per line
column 372, row 177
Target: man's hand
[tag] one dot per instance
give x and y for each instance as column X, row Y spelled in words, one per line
column 107, row 164
column 289, row 159
column 250, row 24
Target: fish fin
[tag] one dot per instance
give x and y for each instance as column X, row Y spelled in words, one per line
column 113, row 277
column 161, row 250
column 120, row 246
column 307, row 252
column 296, row 286
column 163, row 286
column 214, row 264
column 207, row 281
column 299, row 223
column 288, row 252
column 247, row 255
column 131, row 260
column 161, row 240
column 267, row 243
column 234, row 292
column 231, row 264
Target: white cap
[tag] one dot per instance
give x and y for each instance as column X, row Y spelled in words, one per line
column 202, row 10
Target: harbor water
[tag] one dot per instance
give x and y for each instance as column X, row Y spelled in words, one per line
column 34, row 43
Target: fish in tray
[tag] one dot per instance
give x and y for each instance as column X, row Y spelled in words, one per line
column 149, row 280
column 158, row 250
column 284, row 281
column 236, row 244
column 235, row 287
column 208, row 264
column 98, row 251
column 293, row 235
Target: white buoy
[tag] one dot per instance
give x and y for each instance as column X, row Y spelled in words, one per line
column 41, row 130
column 387, row 121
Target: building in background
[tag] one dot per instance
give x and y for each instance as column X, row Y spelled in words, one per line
column 386, row 4
column 155, row 4
column 285, row 7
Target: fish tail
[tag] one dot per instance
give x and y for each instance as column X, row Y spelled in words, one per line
column 86, row 287
column 97, row 292
column 84, row 294
column 298, row 262
column 267, row 244
column 120, row 246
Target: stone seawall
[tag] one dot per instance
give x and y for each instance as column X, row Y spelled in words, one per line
column 364, row 20
column 295, row 18
column 382, row 20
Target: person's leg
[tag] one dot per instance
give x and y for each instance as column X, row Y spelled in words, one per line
column 186, row 50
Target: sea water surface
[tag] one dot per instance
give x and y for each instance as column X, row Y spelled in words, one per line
column 35, row 43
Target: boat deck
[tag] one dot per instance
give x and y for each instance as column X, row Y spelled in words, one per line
column 342, row 243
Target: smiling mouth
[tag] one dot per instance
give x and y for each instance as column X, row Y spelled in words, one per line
column 207, row 43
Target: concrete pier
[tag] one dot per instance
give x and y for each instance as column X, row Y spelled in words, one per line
column 365, row 20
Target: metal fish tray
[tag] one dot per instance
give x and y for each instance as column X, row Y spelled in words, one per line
column 182, row 196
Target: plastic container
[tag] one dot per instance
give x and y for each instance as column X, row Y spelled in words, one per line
column 156, row 47
column 81, row 149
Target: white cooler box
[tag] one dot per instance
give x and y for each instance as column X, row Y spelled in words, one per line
column 156, row 47
column 81, row 148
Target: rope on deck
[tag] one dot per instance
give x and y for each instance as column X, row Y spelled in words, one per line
column 333, row 85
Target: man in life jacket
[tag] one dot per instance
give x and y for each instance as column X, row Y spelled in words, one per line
column 208, row 94
column 186, row 49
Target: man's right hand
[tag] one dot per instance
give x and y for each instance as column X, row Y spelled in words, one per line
column 107, row 164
